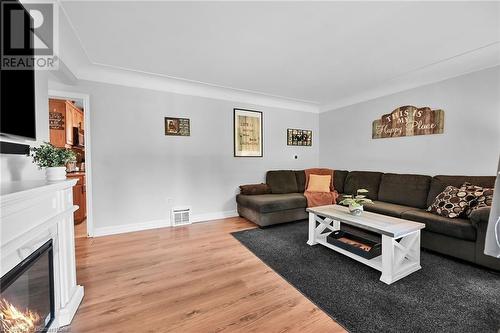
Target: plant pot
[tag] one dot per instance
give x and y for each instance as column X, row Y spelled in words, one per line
column 55, row 173
column 358, row 210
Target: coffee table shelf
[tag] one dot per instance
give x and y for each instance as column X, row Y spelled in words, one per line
column 375, row 263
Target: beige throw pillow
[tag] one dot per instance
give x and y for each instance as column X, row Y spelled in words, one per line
column 319, row 183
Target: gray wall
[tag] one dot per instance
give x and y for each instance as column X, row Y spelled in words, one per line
column 470, row 144
column 136, row 168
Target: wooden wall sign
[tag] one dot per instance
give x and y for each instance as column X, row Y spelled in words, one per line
column 408, row 121
column 56, row 121
column 298, row 137
column 177, row 126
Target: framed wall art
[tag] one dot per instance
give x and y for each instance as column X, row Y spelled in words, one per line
column 177, row 126
column 247, row 131
column 298, row 137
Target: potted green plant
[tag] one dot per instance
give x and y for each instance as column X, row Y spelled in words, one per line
column 53, row 159
column 356, row 202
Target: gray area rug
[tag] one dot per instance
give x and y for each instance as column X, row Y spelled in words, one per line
column 444, row 296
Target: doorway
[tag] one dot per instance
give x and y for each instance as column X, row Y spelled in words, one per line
column 69, row 127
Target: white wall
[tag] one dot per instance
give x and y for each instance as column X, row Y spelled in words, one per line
column 470, row 144
column 19, row 167
column 136, row 168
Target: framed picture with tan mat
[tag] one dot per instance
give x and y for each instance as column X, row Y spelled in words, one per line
column 247, row 131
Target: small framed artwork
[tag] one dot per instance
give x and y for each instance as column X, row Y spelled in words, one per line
column 299, row 137
column 177, row 126
column 247, row 133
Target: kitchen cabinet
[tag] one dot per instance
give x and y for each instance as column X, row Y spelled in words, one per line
column 58, row 136
column 79, row 196
column 69, row 123
column 73, row 117
column 77, row 118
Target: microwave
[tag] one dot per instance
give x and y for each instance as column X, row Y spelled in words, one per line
column 78, row 137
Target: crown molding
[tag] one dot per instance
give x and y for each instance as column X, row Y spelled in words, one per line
column 476, row 60
column 138, row 79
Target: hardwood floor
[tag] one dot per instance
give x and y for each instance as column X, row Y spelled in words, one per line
column 196, row 278
column 81, row 229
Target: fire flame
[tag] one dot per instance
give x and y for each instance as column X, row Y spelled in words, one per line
column 16, row 321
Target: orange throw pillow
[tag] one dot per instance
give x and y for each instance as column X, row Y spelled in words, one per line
column 319, row 183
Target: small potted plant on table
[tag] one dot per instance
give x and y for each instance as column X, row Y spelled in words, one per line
column 356, row 202
column 53, row 159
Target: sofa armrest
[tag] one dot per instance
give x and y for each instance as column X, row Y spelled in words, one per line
column 254, row 189
column 480, row 216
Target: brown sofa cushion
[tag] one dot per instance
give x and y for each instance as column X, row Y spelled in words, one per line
column 339, row 177
column 458, row 228
column 369, row 180
column 404, row 189
column 282, row 181
column 267, row 203
column 386, row 208
column 255, row 189
column 300, row 177
column 439, row 183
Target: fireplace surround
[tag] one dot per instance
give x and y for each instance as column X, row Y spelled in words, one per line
column 37, row 253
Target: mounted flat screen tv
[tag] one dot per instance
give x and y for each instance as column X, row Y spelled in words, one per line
column 17, row 100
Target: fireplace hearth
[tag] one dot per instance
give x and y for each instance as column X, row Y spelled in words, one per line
column 27, row 294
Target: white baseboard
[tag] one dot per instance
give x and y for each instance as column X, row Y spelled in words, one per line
column 121, row 229
column 213, row 216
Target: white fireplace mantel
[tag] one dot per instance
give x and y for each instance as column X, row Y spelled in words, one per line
column 31, row 213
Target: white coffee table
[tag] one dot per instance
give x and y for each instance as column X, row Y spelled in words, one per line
column 398, row 259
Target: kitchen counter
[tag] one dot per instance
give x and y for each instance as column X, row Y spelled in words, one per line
column 75, row 174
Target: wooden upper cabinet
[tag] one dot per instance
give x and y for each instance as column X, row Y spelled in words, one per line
column 69, row 123
column 77, row 118
column 73, row 117
column 58, row 136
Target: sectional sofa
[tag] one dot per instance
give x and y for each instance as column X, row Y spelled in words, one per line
column 401, row 195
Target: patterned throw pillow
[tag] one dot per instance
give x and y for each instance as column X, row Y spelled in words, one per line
column 451, row 202
column 483, row 196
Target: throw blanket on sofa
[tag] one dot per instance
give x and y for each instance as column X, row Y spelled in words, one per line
column 320, row 198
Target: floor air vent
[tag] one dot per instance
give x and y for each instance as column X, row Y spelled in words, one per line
column 181, row 216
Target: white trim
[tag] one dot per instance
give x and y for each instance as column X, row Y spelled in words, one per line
column 440, row 71
column 88, row 154
column 155, row 224
column 382, row 91
column 213, row 216
column 121, row 229
column 152, row 81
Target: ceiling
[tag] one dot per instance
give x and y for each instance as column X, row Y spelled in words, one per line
column 314, row 52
